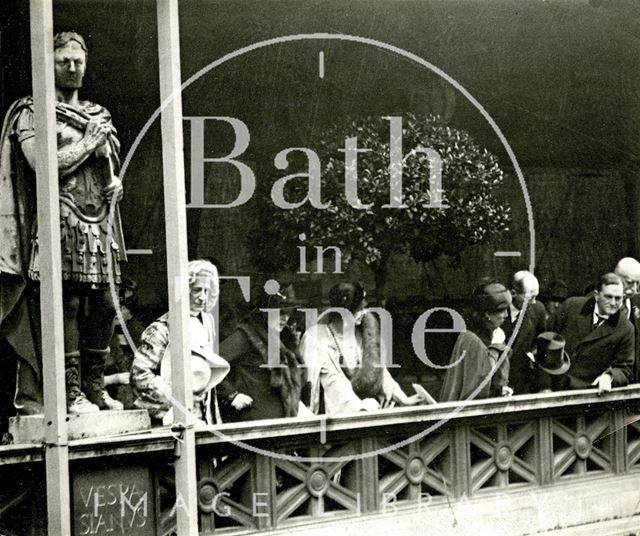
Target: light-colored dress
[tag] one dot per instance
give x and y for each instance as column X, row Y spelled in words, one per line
column 332, row 358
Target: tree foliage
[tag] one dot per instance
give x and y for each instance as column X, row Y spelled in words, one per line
column 470, row 175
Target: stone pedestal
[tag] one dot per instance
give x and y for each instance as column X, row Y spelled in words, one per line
column 30, row 428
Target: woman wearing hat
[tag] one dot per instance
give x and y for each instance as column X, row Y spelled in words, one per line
column 477, row 350
column 554, row 295
column 344, row 360
column 253, row 391
column 151, row 368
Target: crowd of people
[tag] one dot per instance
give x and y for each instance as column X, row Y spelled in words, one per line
column 267, row 366
column 566, row 343
column 333, row 368
column 512, row 344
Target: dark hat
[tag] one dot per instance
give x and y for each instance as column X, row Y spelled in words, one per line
column 491, row 298
column 285, row 298
column 347, row 295
column 550, row 355
column 557, row 290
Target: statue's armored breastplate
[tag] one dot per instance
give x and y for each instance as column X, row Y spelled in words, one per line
column 82, row 188
column 85, row 224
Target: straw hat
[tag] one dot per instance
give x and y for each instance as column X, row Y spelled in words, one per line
column 207, row 368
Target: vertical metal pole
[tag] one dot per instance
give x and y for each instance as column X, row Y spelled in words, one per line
column 176, row 231
column 55, row 408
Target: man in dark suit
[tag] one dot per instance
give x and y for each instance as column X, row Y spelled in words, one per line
column 599, row 339
column 524, row 286
column 628, row 269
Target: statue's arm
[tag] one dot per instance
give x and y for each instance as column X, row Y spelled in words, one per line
column 73, row 155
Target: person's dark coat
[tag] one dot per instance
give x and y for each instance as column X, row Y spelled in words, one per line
column 471, row 364
column 275, row 391
column 608, row 348
column 522, row 377
column 499, row 378
column 634, row 318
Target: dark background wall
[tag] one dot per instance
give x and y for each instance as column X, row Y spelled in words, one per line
column 560, row 78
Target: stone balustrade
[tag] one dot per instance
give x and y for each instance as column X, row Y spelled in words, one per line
column 554, row 450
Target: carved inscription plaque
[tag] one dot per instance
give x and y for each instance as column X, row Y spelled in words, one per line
column 113, row 501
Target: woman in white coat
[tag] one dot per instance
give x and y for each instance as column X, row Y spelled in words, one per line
column 343, row 355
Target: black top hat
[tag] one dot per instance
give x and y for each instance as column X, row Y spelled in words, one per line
column 550, row 355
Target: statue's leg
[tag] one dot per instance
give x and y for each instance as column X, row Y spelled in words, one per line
column 93, row 363
column 100, row 323
column 76, row 400
column 70, row 310
column 99, row 330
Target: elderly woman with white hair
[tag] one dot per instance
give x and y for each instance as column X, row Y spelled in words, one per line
column 151, row 369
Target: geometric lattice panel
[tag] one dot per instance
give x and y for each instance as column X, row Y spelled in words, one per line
column 227, row 493
column 419, row 470
column 503, row 455
column 582, row 444
column 259, row 492
column 633, row 442
column 475, row 457
column 315, row 489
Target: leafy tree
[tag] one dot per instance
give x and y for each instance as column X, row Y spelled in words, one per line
column 470, row 175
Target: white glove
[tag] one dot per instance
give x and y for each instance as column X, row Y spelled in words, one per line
column 603, row 382
column 370, row 404
column 241, row 401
